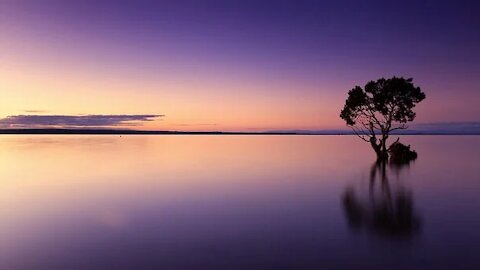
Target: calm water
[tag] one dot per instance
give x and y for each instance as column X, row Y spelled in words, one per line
column 236, row 202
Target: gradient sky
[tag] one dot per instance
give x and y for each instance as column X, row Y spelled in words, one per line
column 234, row 65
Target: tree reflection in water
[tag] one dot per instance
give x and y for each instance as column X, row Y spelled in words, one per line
column 387, row 211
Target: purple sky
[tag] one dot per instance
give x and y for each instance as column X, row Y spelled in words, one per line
column 238, row 65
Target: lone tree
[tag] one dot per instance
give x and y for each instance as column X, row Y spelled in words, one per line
column 381, row 107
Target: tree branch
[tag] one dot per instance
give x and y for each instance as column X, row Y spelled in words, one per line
column 399, row 127
column 360, row 133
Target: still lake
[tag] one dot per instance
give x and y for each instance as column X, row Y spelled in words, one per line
column 236, row 202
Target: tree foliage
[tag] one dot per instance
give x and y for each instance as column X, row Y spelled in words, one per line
column 379, row 108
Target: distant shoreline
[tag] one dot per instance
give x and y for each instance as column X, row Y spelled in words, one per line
column 162, row 132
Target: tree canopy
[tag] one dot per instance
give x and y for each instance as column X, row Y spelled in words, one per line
column 379, row 108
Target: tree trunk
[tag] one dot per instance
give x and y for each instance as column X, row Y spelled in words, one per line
column 383, row 146
column 377, row 147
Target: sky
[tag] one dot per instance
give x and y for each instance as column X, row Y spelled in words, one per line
column 230, row 65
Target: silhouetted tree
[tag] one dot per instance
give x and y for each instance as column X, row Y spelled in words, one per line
column 381, row 107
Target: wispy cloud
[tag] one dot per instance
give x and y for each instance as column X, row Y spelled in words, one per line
column 75, row 121
column 190, row 125
column 35, row 111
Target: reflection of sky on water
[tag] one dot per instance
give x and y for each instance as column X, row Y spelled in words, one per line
column 224, row 202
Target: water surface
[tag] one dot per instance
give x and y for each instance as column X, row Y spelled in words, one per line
column 236, row 202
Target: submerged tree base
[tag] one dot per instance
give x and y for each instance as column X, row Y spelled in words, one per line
column 401, row 153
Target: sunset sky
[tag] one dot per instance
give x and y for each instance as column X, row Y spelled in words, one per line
column 229, row 65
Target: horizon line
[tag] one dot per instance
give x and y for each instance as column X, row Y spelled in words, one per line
column 112, row 131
